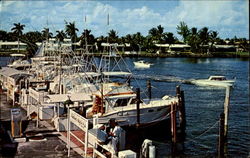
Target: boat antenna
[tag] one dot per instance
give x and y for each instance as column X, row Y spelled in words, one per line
column 86, row 41
column 47, row 24
column 85, row 31
column 108, row 25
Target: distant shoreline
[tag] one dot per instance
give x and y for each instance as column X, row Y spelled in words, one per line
column 180, row 54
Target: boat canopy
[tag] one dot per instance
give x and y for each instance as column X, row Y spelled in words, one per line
column 217, row 78
column 118, row 73
column 13, row 73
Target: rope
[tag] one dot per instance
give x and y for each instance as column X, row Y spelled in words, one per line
column 207, row 130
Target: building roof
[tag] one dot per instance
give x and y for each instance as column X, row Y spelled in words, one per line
column 224, row 46
column 173, row 45
column 115, row 44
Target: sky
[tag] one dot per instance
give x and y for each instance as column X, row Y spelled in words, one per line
column 228, row 17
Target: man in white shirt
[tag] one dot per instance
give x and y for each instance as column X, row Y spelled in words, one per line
column 114, row 135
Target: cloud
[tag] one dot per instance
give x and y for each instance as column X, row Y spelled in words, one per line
column 213, row 14
column 229, row 18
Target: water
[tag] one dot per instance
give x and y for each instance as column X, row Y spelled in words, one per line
column 203, row 104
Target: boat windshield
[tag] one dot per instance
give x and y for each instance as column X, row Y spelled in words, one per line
column 122, row 102
column 218, row 78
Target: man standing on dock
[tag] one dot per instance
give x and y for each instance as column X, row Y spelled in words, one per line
column 114, row 135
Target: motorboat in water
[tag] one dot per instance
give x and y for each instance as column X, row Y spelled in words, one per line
column 219, row 81
column 142, row 64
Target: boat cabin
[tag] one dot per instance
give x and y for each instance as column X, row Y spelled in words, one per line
column 217, row 78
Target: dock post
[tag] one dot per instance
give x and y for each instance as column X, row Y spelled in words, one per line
column 138, row 105
column 37, row 119
column 178, row 90
column 226, row 109
column 182, row 111
column 173, row 127
column 149, row 89
column 221, row 136
column 182, row 114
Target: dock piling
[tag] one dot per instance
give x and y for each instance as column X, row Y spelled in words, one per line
column 138, row 105
column 173, row 127
column 178, row 90
column 182, row 114
column 226, row 109
column 221, row 136
column 149, row 89
column 182, row 111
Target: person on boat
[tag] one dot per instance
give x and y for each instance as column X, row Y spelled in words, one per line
column 114, row 134
column 16, row 94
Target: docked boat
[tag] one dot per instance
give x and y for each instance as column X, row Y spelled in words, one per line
column 219, row 81
column 18, row 62
column 119, row 101
column 142, row 64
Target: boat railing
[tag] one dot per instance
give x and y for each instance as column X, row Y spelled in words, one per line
column 38, row 96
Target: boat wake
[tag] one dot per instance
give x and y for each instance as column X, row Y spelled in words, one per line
column 162, row 78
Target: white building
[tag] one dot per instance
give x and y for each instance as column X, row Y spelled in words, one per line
column 12, row 46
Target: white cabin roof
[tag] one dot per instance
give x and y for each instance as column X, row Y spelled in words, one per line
column 217, row 77
column 13, row 73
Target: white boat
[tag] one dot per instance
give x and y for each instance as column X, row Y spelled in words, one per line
column 119, row 102
column 219, row 81
column 142, row 64
column 20, row 64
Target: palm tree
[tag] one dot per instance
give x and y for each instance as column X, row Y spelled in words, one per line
column 30, row 38
column 169, row 38
column 213, row 37
column 60, row 35
column 18, row 29
column 46, row 34
column 71, row 30
column 112, row 36
column 100, row 40
column 183, row 30
column 139, row 40
column 3, row 35
column 130, row 39
column 193, row 40
column 204, row 36
column 87, row 37
column 156, row 34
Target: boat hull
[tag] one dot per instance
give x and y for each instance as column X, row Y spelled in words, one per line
column 147, row 116
column 213, row 83
column 142, row 65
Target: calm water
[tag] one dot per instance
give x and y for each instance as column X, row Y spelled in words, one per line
column 203, row 104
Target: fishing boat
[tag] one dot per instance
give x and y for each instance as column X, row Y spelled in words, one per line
column 219, row 81
column 142, row 64
column 119, row 101
column 18, row 62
